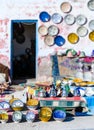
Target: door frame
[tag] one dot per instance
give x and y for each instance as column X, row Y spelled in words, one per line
column 11, row 45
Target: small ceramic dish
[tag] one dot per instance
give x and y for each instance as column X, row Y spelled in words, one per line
column 43, row 30
column 91, row 25
column 57, row 18
column 53, row 30
column 73, row 38
column 81, row 20
column 82, row 31
column 65, row 7
column 69, row 19
column 49, row 40
column 90, row 5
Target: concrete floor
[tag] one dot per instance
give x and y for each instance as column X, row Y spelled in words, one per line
column 72, row 123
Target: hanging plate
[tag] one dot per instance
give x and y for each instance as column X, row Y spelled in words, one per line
column 53, row 30
column 59, row 40
column 90, row 5
column 56, row 18
column 91, row 36
column 66, row 7
column 43, row 30
column 81, row 20
column 44, row 16
column 91, row 24
column 82, row 31
column 73, row 38
column 69, row 19
column 49, row 40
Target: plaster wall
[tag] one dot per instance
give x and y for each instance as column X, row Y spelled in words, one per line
column 30, row 10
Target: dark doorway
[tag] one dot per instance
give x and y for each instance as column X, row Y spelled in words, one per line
column 23, row 49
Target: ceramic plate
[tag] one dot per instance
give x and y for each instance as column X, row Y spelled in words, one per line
column 56, row 18
column 53, row 30
column 91, row 36
column 91, row 24
column 66, row 7
column 73, row 38
column 69, row 19
column 17, row 116
column 82, row 31
column 44, row 16
column 49, row 40
column 90, row 5
column 59, row 40
column 43, row 30
column 81, row 19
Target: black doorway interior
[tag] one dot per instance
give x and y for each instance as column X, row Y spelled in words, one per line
column 23, row 63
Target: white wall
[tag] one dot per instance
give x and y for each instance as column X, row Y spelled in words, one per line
column 30, row 9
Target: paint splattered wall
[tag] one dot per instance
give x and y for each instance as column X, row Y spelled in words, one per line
column 30, row 9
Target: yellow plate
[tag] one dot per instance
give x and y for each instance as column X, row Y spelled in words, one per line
column 32, row 102
column 91, row 36
column 77, row 80
column 73, row 38
column 45, row 114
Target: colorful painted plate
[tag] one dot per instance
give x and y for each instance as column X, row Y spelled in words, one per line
column 73, row 38
column 90, row 5
column 43, row 30
column 91, row 36
column 57, row 18
column 66, row 7
column 53, row 30
column 49, row 40
column 81, row 20
column 44, row 16
column 17, row 116
column 59, row 40
column 91, row 24
column 69, row 19
column 82, row 31
column 30, row 116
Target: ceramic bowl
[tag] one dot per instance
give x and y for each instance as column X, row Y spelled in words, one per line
column 17, row 105
column 32, row 104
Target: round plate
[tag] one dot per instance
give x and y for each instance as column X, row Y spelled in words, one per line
column 30, row 116
column 91, row 36
column 82, row 31
column 90, row 5
column 56, row 18
column 81, row 20
column 53, row 30
column 91, row 24
column 43, row 30
column 5, row 105
column 73, row 38
column 49, row 40
column 69, row 19
column 59, row 40
column 17, row 116
column 66, row 7
column 44, row 16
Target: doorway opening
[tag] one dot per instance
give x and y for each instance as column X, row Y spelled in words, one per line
column 23, row 49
